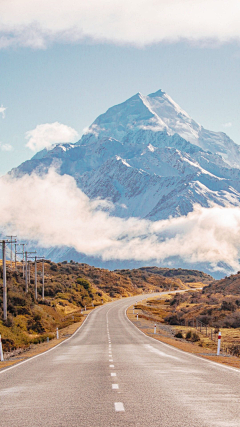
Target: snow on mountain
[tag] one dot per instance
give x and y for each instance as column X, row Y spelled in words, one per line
column 158, row 112
column 150, row 159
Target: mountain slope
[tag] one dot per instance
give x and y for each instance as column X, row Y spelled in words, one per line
column 150, row 159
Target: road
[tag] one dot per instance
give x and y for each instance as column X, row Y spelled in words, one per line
column 111, row 374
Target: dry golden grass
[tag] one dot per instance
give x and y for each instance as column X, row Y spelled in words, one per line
column 206, row 349
column 36, row 349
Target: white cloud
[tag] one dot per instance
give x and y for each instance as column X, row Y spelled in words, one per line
column 45, row 135
column 54, row 212
column 2, row 111
column 139, row 22
column 227, row 125
column 6, row 147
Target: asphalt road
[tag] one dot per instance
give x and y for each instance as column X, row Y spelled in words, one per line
column 110, row 374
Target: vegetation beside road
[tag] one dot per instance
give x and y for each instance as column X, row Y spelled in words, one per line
column 69, row 287
column 179, row 316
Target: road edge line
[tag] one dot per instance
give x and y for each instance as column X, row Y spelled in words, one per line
column 50, row 349
column 219, row 365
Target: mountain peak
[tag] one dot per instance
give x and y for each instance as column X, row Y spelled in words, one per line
column 156, row 112
column 157, row 94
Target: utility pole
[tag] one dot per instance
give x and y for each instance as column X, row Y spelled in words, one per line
column 4, row 280
column 11, row 241
column 15, row 257
column 35, row 287
column 4, row 276
column 26, row 269
column 22, row 253
column 43, row 279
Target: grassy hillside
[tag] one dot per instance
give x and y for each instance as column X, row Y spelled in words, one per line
column 69, row 287
column 216, row 305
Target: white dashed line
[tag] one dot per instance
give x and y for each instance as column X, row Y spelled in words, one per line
column 115, row 386
column 113, row 374
column 119, row 407
column 110, row 360
column 111, row 366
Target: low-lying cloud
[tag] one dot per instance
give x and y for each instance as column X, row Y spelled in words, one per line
column 139, row 22
column 54, row 212
column 45, row 135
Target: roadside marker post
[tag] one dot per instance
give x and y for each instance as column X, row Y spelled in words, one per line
column 219, row 343
column 1, row 350
column 57, row 334
column 155, row 329
column 137, row 316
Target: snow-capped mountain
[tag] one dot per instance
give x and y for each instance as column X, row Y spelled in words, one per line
column 150, row 159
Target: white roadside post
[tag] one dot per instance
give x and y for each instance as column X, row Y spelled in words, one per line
column 137, row 316
column 155, row 329
column 57, row 334
column 219, row 343
column 1, row 350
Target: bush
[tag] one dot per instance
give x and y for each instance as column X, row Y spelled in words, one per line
column 178, row 335
column 172, row 319
column 232, row 321
column 192, row 336
column 84, row 282
column 228, row 306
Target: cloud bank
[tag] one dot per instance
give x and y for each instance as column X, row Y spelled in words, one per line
column 45, row 135
column 54, row 212
column 139, row 22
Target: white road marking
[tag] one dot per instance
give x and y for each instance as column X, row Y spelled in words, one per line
column 110, row 360
column 111, row 366
column 119, row 407
column 160, row 353
column 115, row 386
column 113, row 374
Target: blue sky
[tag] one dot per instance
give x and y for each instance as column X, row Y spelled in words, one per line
column 85, row 67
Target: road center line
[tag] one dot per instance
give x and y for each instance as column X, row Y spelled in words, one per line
column 111, row 366
column 115, row 386
column 113, row 374
column 119, row 407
